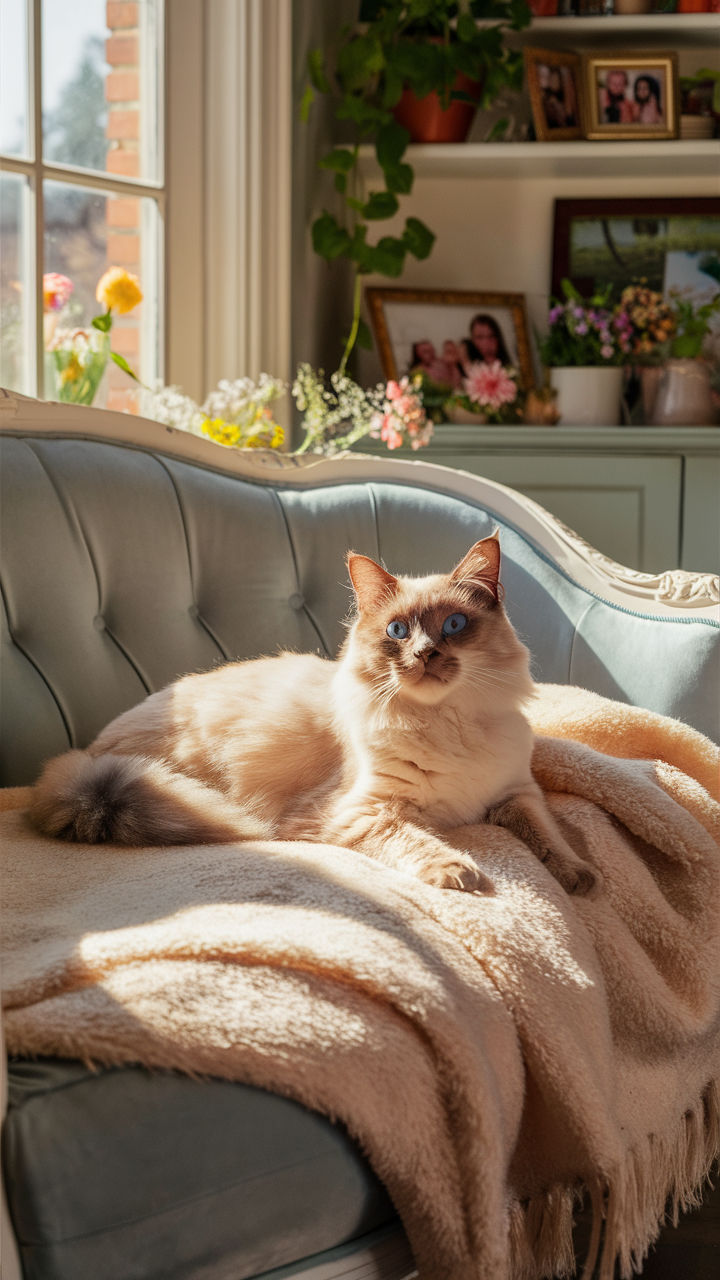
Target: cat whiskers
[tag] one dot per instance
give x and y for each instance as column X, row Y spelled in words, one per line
column 384, row 690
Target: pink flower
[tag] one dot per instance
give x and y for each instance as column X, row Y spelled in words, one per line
column 56, row 290
column 490, row 385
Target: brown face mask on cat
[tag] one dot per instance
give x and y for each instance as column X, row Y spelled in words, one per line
column 419, row 627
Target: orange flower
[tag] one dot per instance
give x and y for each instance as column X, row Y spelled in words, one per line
column 118, row 290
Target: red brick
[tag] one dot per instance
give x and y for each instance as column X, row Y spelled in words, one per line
column 123, row 250
column 122, row 86
column 120, row 400
column 125, row 341
column 123, row 161
column 123, row 211
column 123, row 124
column 121, row 13
column 122, row 51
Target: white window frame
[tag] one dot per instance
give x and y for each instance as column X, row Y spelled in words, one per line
column 225, row 204
column 37, row 171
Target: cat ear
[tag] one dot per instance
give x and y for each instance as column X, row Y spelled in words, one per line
column 480, row 568
column 370, row 581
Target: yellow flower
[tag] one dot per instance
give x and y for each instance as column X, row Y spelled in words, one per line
column 119, row 290
column 72, row 370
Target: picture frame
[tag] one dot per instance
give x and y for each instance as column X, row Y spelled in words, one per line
column 554, row 83
column 404, row 320
column 630, row 95
column 662, row 240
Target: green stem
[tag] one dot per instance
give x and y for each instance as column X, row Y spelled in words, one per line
column 357, row 295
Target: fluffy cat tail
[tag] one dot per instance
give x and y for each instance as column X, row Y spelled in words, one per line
column 134, row 800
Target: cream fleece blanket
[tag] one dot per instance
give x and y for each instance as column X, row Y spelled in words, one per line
column 491, row 1054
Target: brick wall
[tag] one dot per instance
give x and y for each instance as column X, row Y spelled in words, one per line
column 122, row 92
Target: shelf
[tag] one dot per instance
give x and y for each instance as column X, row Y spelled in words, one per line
column 668, row 30
column 679, row 157
column 667, row 441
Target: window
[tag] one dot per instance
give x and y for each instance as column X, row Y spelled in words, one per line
column 82, row 186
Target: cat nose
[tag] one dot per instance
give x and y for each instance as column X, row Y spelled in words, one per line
column 427, row 653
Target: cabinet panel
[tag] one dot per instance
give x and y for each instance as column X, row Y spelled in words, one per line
column 700, row 548
column 627, row 507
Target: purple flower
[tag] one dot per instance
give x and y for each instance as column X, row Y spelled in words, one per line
column 555, row 313
column 578, row 313
column 581, row 329
column 606, row 352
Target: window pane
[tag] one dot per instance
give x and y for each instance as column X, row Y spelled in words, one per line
column 101, row 85
column 86, row 233
column 16, row 296
column 14, row 132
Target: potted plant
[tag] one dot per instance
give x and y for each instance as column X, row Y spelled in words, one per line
column 396, row 48
column 588, row 342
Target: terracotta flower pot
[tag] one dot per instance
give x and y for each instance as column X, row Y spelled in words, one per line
column 428, row 121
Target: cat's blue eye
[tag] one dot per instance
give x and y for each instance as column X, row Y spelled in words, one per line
column 397, row 630
column 453, row 624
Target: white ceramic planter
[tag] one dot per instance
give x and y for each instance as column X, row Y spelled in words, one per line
column 588, row 396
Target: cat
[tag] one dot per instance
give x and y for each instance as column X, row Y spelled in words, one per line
column 399, row 748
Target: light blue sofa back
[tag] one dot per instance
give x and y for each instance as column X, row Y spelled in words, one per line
column 123, row 568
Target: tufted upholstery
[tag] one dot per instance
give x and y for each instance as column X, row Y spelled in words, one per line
column 125, row 565
column 123, row 568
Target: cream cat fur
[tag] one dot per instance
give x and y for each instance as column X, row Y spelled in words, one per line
column 417, row 730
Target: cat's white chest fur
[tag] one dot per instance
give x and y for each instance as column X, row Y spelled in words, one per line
column 452, row 761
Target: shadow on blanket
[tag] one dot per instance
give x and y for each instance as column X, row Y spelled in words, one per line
column 549, row 1043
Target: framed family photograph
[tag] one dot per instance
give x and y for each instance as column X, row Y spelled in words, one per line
column 671, row 243
column 439, row 333
column 553, row 79
column 630, row 95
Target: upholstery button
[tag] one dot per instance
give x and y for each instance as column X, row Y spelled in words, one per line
column 296, row 600
column 99, row 623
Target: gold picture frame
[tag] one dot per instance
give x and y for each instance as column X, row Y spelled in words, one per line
column 630, row 95
column 553, row 80
column 403, row 319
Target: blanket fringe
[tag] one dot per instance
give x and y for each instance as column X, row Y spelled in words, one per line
column 659, row 1181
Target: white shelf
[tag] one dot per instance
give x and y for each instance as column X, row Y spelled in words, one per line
column 657, row 29
column 558, row 159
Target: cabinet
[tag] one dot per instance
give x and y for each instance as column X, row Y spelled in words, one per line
column 647, row 497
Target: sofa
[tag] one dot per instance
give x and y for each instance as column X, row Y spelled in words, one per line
column 133, row 553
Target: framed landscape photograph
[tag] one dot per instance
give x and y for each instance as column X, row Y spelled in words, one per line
column 553, row 79
column 630, row 95
column 439, row 332
column 670, row 243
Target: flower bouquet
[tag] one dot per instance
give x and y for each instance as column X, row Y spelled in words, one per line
column 236, row 414
column 490, row 393
column 79, row 355
column 585, row 332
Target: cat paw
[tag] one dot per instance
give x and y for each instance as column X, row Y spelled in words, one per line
column 457, row 872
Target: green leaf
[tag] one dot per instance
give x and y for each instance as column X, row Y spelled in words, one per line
column 399, row 178
column 382, row 204
column 388, row 257
column 122, row 363
column 103, row 323
column 316, row 71
column 499, row 129
column 359, row 61
column 418, row 238
column 329, row 239
column 306, row 102
column 356, row 205
column 466, row 28
column 390, row 143
column 339, row 159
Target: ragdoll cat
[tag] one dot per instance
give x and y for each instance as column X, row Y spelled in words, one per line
column 415, row 731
